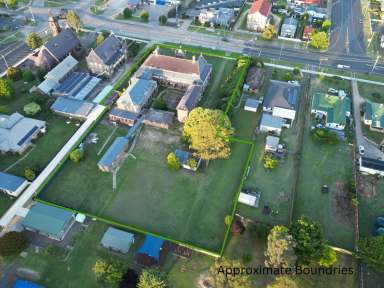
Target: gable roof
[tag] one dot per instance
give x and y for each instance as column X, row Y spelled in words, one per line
column 138, row 91
column 190, row 98
column 282, row 94
column 47, row 219
column 10, row 182
column 261, row 6
column 151, row 247
column 117, row 239
column 61, row 45
column 62, row 69
column 109, row 50
column 71, row 106
column 113, row 151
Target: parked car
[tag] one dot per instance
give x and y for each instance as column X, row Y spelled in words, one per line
column 361, row 150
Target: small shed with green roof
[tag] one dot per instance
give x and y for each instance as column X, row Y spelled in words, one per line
column 117, row 240
column 49, row 221
column 335, row 109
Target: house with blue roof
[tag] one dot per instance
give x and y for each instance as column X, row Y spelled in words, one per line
column 70, row 107
column 137, row 95
column 114, row 155
column 149, row 253
column 49, row 221
column 11, row 184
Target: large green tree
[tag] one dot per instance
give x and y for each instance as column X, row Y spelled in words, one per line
column 6, row 89
column 33, row 40
column 280, row 248
column 12, row 243
column 371, row 251
column 208, row 132
column 319, row 40
column 151, row 278
column 217, row 277
column 108, row 272
column 73, row 20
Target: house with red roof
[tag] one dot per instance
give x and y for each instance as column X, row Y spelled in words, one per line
column 257, row 17
column 307, row 33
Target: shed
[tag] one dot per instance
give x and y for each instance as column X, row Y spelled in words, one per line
column 117, row 240
column 251, row 104
column 250, row 199
column 272, row 143
column 48, row 220
column 149, row 252
column 11, row 184
column 270, row 123
column 113, row 155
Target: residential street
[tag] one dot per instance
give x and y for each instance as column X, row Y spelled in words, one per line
column 371, row 150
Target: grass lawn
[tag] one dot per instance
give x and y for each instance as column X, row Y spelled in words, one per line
column 75, row 270
column 187, row 206
column 45, row 148
column 371, row 92
column 5, row 202
column 375, row 136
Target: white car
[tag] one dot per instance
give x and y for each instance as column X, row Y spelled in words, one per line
column 361, row 150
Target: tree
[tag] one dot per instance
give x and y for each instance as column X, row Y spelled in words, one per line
column 77, row 155
column 208, row 132
column 108, row 272
column 270, row 162
column 29, row 174
column 13, row 73
column 328, row 257
column 310, row 245
column 319, row 40
column 371, row 252
column 127, row 13
column 100, row 39
column 33, row 40
column 288, row 77
column 6, row 89
column 151, row 278
column 163, row 19
column 12, row 243
column 296, row 71
column 32, row 108
column 11, row 3
column 326, row 25
column 73, row 20
column 28, row 75
column 283, row 282
column 173, row 162
column 144, row 15
column 269, row 32
column 217, row 277
column 280, row 248
column 228, row 220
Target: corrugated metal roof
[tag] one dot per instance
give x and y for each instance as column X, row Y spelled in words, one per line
column 47, row 219
column 10, row 182
column 113, row 151
column 62, row 69
column 117, row 239
column 73, row 107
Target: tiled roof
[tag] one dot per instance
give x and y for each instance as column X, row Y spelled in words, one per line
column 261, row 6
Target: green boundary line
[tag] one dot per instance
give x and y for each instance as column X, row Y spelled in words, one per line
column 121, row 82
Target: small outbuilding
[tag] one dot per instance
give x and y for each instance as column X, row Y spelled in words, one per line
column 149, row 253
column 272, row 143
column 117, row 240
column 249, row 198
column 187, row 160
column 11, row 184
column 251, row 105
column 271, row 123
column 72, row 107
column 21, row 283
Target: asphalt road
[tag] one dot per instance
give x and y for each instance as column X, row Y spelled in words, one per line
column 347, row 36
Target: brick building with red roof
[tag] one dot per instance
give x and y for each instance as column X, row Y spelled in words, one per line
column 258, row 15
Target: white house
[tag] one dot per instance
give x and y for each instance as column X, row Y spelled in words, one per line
column 257, row 17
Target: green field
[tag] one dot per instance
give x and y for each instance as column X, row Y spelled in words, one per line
column 182, row 205
column 374, row 93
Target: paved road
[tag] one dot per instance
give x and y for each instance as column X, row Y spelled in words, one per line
column 347, row 36
column 371, row 150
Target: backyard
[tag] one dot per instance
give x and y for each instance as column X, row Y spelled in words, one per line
column 191, row 207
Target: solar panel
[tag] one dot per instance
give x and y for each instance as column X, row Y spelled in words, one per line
column 27, row 136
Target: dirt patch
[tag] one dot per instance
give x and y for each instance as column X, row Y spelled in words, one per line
column 342, row 207
column 367, row 186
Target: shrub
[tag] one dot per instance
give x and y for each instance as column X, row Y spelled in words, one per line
column 144, row 15
column 127, row 13
column 163, row 19
column 6, row 89
column 296, row 71
column 173, row 162
column 33, row 40
column 77, row 155
column 192, row 163
column 288, row 77
column 28, row 75
column 13, row 73
column 270, row 162
column 31, row 108
column 29, row 174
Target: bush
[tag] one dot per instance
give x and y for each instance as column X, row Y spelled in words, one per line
column 40, row 73
column 13, row 73
column 163, row 19
column 28, row 75
column 6, row 89
column 159, row 103
column 31, row 109
column 29, row 174
column 144, row 15
column 151, row 278
column 33, row 40
column 12, row 243
column 173, row 162
column 296, row 71
column 288, row 77
column 108, row 272
column 324, row 136
column 77, row 155
column 127, row 13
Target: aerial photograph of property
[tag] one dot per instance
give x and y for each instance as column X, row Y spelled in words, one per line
column 192, row 144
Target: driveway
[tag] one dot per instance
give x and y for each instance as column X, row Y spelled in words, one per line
column 371, row 150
